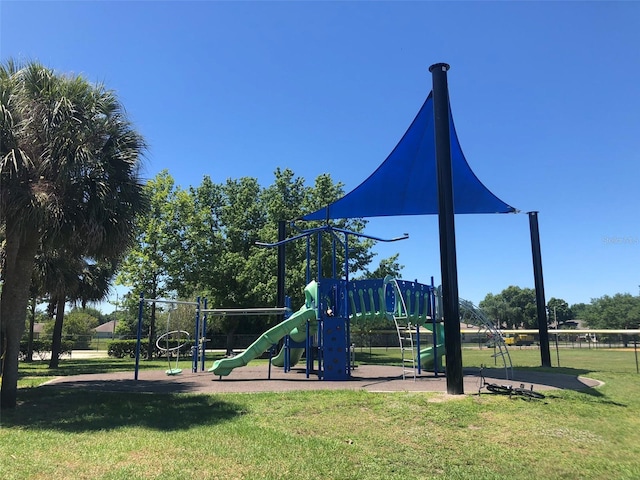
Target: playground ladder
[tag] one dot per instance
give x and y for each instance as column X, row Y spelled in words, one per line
column 405, row 335
column 475, row 316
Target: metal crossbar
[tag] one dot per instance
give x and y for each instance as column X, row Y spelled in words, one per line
column 245, row 311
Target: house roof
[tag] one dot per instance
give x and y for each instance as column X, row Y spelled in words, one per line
column 108, row 327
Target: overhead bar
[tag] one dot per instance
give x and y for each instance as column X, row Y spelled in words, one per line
column 245, row 311
column 173, row 302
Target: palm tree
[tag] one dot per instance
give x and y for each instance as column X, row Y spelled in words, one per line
column 65, row 278
column 69, row 180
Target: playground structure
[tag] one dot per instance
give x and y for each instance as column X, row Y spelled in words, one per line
column 198, row 351
column 323, row 325
column 320, row 331
column 200, row 328
column 171, row 342
column 430, row 146
column 320, row 326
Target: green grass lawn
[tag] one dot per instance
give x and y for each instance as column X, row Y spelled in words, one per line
column 328, row 434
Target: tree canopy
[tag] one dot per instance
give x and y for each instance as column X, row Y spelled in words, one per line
column 514, row 307
column 620, row 311
column 201, row 241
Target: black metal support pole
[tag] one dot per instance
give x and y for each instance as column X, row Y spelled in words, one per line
column 281, row 265
column 448, row 264
column 545, row 353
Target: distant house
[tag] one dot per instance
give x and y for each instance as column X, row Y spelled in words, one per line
column 106, row 330
column 574, row 324
column 38, row 328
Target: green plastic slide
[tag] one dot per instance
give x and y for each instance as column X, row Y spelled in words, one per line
column 298, row 334
column 295, row 324
column 426, row 354
column 426, row 357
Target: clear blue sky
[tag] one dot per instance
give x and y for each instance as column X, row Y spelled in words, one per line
column 545, row 97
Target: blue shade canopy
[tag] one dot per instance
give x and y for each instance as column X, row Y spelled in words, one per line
column 406, row 182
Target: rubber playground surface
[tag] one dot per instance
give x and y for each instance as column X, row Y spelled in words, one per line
column 254, row 379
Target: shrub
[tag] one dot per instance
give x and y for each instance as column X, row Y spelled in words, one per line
column 41, row 348
column 122, row 348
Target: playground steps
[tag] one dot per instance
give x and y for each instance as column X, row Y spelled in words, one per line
column 407, row 348
column 405, row 334
column 472, row 315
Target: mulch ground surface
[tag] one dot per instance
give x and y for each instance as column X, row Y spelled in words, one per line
column 253, row 379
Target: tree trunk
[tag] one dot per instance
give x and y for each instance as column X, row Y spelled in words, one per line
column 32, row 321
column 20, row 252
column 152, row 332
column 230, row 342
column 56, row 339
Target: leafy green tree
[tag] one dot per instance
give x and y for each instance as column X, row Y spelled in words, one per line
column 221, row 224
column 559, row 312
column 56, row 273
column 69, row 166
column 223, row 269
column 579, row 310
column 387, row 266
column 497, row 309
column 202, row 242
column 620, row 311
column 146, row 266
column 32, row 319
column 514, row 307
column 176, row 317
column 95, row 313
column 64, row 277
column 78, row 326
column 127, row 317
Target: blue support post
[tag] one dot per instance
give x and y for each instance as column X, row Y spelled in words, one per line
column 319, row 257
column 334, row 266
column 434, row 326
column 345, row 295
column 204, row 338
column 308, row 352
column 320, row 345
column 139, row 335
column 418, row 348
column 195, row 350
column 308, row 271
column 287, row 354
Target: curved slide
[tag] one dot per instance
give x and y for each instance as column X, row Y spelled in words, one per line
column 426, row 357
column 426, row 354
column 272, row 336
column 295, row 354
column 295, row 324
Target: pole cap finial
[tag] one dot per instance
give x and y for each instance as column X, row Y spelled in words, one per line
column 443, row 66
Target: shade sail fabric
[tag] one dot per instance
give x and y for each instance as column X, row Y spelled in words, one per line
column 406, row 182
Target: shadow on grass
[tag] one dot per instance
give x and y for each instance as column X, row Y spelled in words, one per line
column 83, row 366
column 71, row 410
column 561, row 378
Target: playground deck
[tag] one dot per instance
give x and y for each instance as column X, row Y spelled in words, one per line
column 253, row 379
